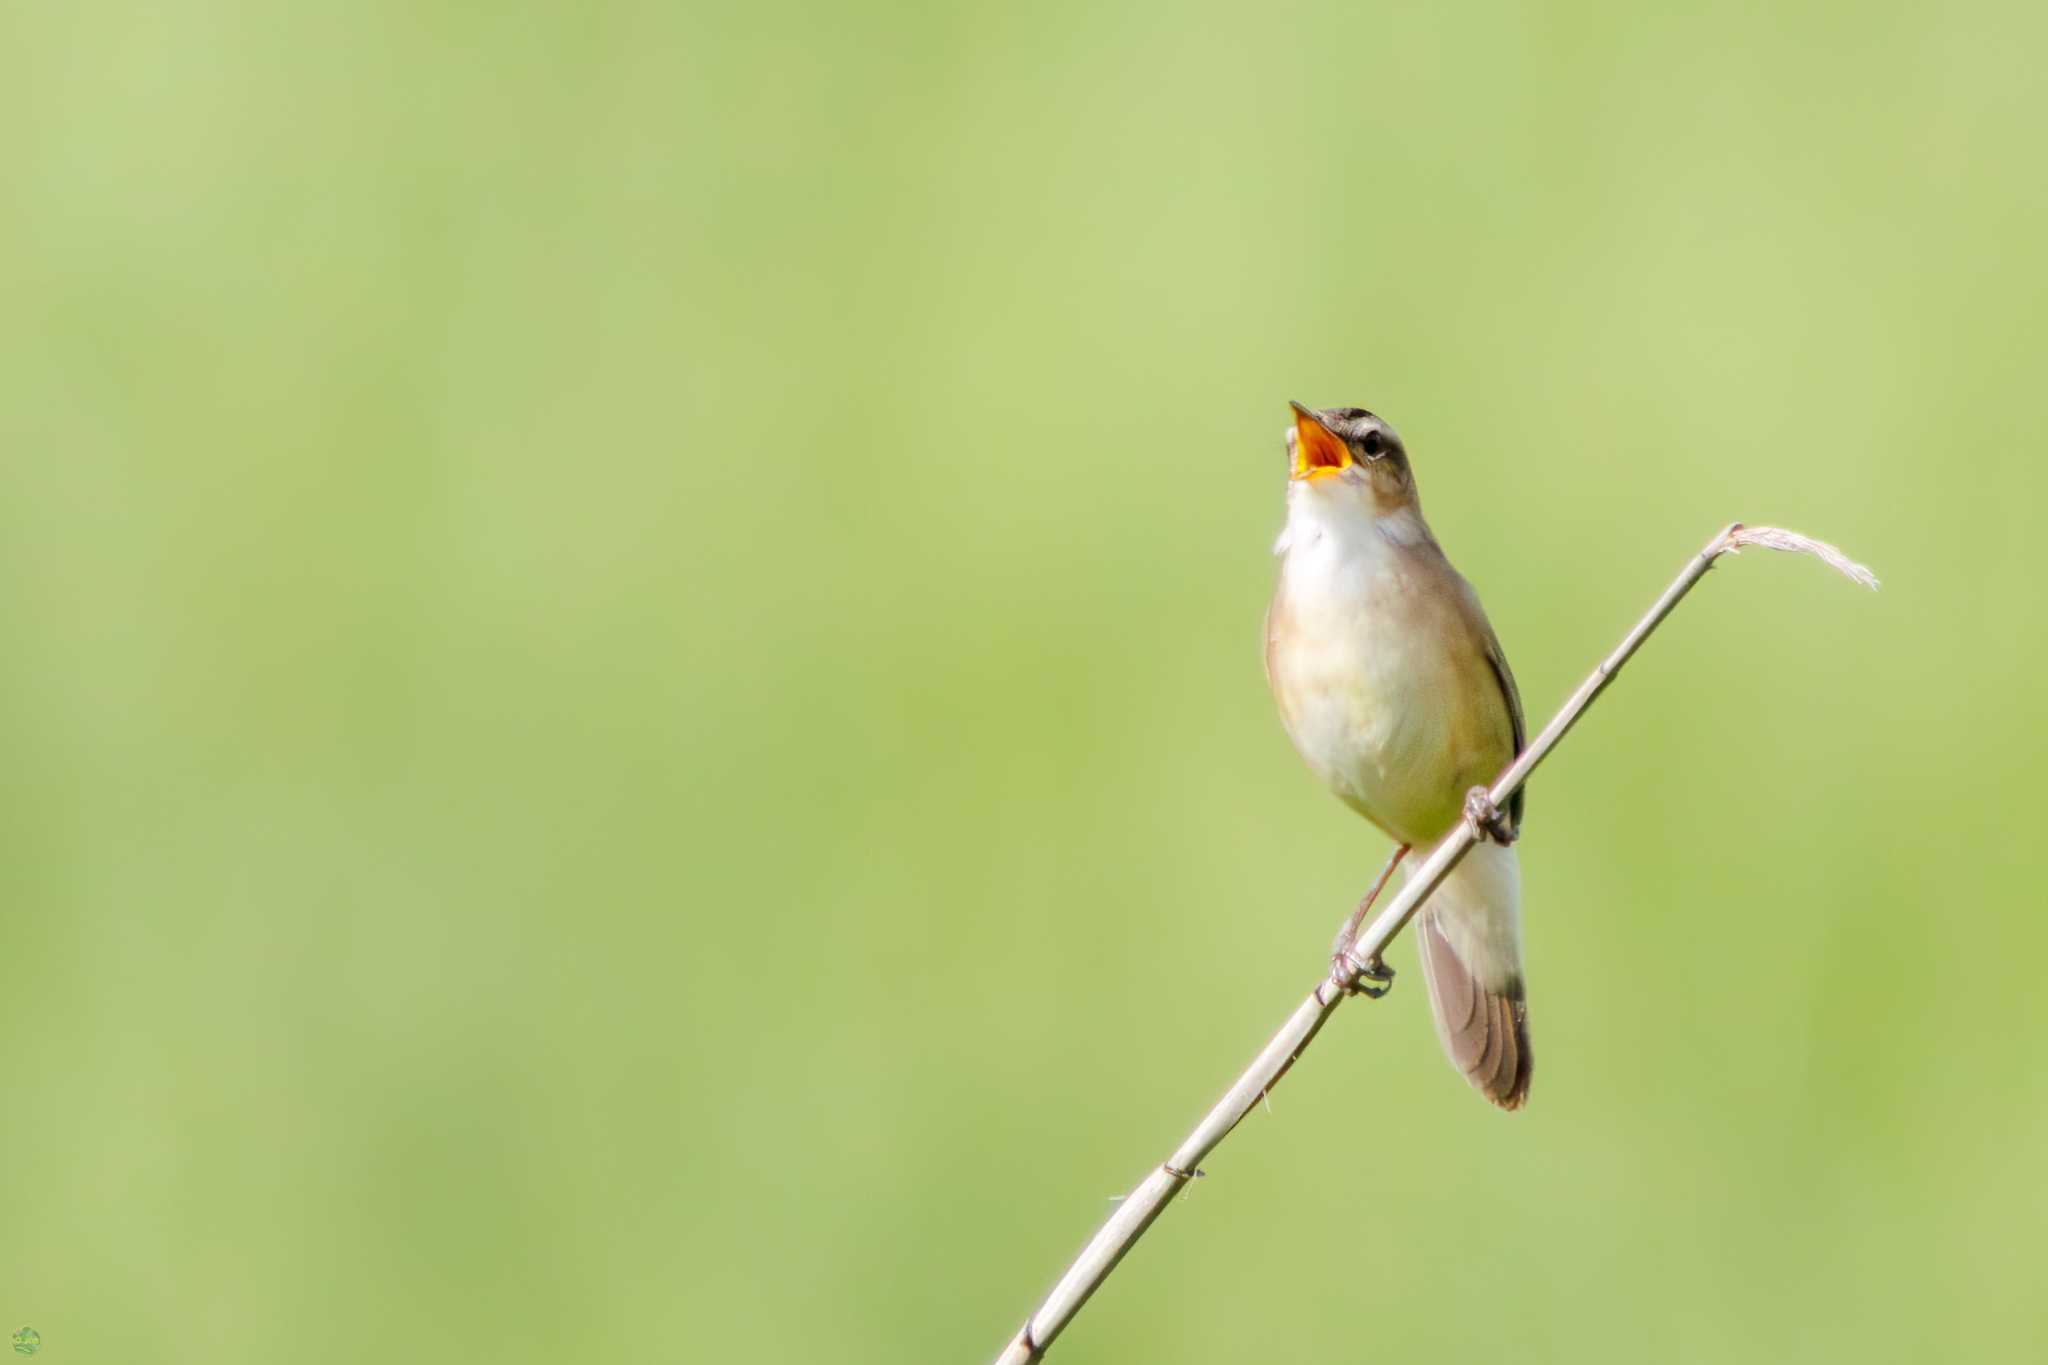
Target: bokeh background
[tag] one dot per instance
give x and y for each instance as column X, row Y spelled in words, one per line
column 631, row 725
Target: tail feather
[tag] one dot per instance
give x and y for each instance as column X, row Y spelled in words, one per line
column 1471, row 958
column 1485, row 1033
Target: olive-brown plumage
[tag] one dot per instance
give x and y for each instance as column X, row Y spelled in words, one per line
column 1397, row 694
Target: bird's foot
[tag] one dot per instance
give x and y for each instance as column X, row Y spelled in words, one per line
column 1372, row 980
column 1488, row 820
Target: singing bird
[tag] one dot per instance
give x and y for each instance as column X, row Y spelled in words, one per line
column 1395, row 691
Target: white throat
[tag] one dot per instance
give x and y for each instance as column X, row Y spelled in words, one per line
column 1340, row 521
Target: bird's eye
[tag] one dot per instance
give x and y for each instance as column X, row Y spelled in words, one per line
column 1372, row 443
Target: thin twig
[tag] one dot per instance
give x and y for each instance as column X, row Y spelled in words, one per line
column 1137, row 1211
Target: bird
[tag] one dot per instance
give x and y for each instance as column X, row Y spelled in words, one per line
column 1397, row 694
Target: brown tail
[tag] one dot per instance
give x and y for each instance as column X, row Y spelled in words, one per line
column 1484, row 1032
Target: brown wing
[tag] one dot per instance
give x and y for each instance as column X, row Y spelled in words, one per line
column 1498, row 659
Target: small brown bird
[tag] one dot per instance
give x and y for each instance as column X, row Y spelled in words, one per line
column 1396, row 692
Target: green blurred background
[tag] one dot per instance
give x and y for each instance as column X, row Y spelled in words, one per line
column 632, row 722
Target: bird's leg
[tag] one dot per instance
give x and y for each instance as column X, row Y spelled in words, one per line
column 1349, row 933
column 1489, row 820
column 1340, row 952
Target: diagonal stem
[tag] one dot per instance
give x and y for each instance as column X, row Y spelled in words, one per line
column 1138, row 1210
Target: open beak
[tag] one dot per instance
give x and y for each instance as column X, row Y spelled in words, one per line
column 1318, row 451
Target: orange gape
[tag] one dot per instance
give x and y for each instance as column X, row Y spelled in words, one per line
column 1318, row 452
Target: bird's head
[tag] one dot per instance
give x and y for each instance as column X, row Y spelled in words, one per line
column 1348, row 454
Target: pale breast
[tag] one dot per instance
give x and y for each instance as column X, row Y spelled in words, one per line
column 1383, row 684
